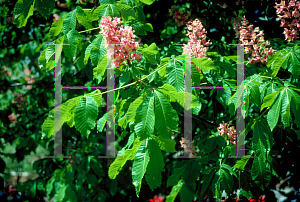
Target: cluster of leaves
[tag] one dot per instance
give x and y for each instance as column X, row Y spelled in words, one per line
column 149, row 105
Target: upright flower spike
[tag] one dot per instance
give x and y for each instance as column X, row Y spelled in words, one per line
column 288, row 11
column 256, row 44
column 197, row 39
column 123, row 38
column 229, row 131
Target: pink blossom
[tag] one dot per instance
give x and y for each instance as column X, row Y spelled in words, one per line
column 197, row 39
column 288, row 12
column 12, row 118
column 114, row 33
column 229, row 131
column 256, row 44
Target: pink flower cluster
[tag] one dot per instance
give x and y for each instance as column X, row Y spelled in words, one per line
column 197, row 39
column 257, row 46
column 179, row 15
column 18, row 98
column 230, row 131
column 12, row 118
column 5, row 71
column 288, row 12
column 123, row 39
column 29, row 79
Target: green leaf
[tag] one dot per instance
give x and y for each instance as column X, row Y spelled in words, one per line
column 285, row 108
column 101, row 67
column 69, row 23
column 261, row 139
column 70, row 194
column 260, row 173
column 45, row 7
column 96, row 50
column 85, row 21
column 85, row 116
column 286, row 58
column 148, row 27
column 175, row 75
column 139, row 165
column 145, row 118
column 269, row 100
column 155, row 166
column 274, row 112
column 71, row 38
column 22, row 11
column 204, row 64
column 48, row 127
column 118, row 163
column 56, row 27
column 165, row 116
column 229, row 168
column 226, row 181
column 167, row 145
column 178, row 172
column 150, row 53
column 97, row 95
column 131, row 112
column 109, row 10
column 187, row 192
column 206, row 182
column 60, row 195
column 174, row 192
column 148, row 2
column 126, row 11
column 101, row 123
column 240, row 164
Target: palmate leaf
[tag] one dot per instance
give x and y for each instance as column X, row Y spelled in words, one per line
column 145, row 118
column 262, row 139
column 139, row 165
column 175, row 75
column 48, row 127
column 165, row 116
column 206, row 182
column 86, row 114
column 129, row 154
column 260, row 172
column 155, row 166
column 287, row 58
column 22, row 11
column 225, row 180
